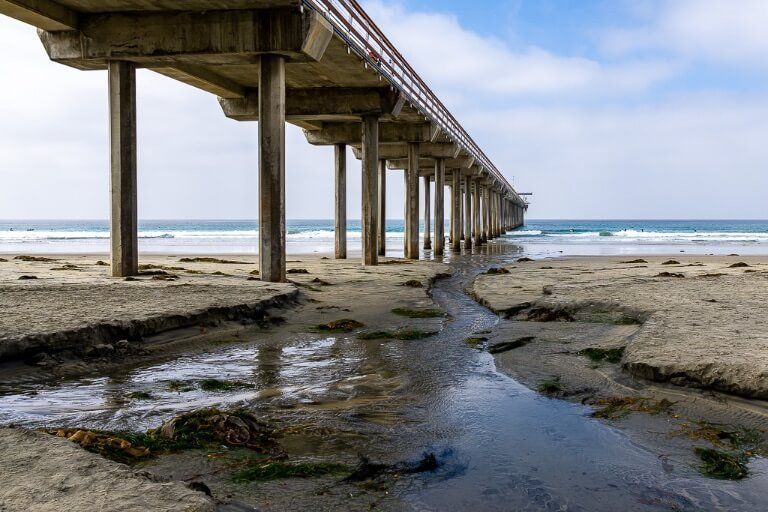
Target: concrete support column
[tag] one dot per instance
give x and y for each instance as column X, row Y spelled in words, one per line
column 340, row 203
column 453, row 215
column 467, row 213
column 272, row 168
column 382, row 216
column 488, row 230
column 427, row 214
column 456, row 201
column 370, row 206
column 478, row 237
column 412, row 203
column 124, row 224
column 439, row 207
column 460, row 216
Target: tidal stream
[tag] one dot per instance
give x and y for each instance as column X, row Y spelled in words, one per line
column 500, row 445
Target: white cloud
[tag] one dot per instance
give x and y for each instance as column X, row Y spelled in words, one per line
column 450, row 56
column 732, row 31
column 702, row 156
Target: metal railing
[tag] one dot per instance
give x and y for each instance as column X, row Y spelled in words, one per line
column 363, row 37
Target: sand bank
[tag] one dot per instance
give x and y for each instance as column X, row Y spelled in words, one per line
column 42, row 473
column 684, row 320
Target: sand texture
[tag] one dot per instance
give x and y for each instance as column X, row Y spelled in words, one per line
column 72, row 304
column 699, row 322
column 43, row 473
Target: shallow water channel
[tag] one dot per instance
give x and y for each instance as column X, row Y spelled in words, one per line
column 500, row 445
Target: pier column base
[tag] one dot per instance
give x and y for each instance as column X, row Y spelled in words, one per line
column 427, row 214
column 340, row 206
column 456, row 201
column 467, row 214
column 475, row 185
column 370, row 207
column 124, row 237
column 412, row 203
column 272, row 169
column 382, row 231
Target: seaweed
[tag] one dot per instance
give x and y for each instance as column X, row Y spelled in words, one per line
column 618, row 407
column 611, row 355
column 400, row 334
column 418, row 313
column 506, row 346
column 413, row 283
column 265, row 470
column 213, row 260
column 550, row 386
column 343, row 325
column 721, row 464
column 223, row 385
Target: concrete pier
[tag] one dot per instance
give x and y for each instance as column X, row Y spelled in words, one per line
column 382, row 231
column 439, row 207
column 412, row 203
column 123, row 182
column 427, row 214
column 467, row 214
column 370, row 208
column 275, row 61
column 272, row 168
column 340, row 203
column 456, row 202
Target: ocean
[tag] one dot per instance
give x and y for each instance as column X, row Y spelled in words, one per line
column 537, row 237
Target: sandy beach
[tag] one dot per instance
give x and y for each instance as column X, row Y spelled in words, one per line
column 688, row 329
column 344, row 361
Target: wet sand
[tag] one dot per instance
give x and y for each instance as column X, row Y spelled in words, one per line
column 333, row 396
column 311, row 411
column 689, row 329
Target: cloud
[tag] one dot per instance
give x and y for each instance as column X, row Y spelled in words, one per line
column 713, row 30
column 700, row 156
column 450, row 56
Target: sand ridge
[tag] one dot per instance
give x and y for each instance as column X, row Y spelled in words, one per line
column 701, row 319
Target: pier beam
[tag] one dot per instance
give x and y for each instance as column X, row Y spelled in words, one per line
column 370, row 209
column 456, row 202
column 124, row 236
column 412, row 203
column 439, row 207
column 340, row 225
column 467, row 214
column 427, row 214
column 476, row 212
column 272, row 168
column 382, row 231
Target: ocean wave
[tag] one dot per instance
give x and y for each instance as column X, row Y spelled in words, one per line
column 630, row 235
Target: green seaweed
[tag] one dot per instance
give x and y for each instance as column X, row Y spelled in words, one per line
column 617, row 407
column 261, row 471
column 721, row 464
column 550, row 386
column 418, row 313
column 343, row 325
column 400, row 334
column 223, row 385
column 596, row 354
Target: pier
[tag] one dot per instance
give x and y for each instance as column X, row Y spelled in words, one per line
column 322, row 65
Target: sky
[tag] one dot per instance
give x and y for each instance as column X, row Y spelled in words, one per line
column 612, row 109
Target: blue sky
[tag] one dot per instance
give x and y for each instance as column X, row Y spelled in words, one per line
column 602, row 108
